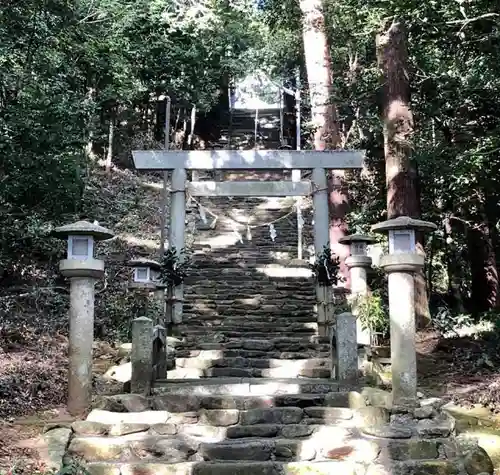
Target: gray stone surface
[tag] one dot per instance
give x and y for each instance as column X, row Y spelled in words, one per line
column 56, row 441
column 387, row 431
column 260, row 430
column 248, row 450
column 127, row 428
column 434, row 428
column 346, row 347
column 285, row 415
column 89, row 428
column 220, row 417
column 81, row 338
column 142, row 355
column 477, row 462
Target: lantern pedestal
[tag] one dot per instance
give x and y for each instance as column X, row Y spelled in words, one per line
column 83, row 275
column 401, row 269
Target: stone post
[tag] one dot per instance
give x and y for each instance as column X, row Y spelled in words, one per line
column 146, row 280
column 401, row 264
column 347, row 349
column 321, row 239
column 358, row 264
column 142, row 356
column 83, row 271
column 176, row 234
column 160, row 352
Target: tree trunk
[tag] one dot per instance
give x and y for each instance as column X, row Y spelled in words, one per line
column 324, row 117
column 401, row 174
column 482, row 258
column 111, row 134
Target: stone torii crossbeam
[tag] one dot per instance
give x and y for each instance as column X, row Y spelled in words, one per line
column 252, row 160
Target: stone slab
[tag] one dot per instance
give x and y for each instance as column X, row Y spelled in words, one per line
column 246, row 159
column 146, row 417
column 55, row 442
column 250, row 188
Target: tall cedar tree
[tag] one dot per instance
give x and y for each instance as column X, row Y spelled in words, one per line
column 401, row 174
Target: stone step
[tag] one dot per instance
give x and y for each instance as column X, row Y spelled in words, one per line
column 249, row 386
column 276, row 324
column 178, row 408
column 260, row 363
column 256, row 320
column 239, row 353
column 192, row 373
column 270, row 293
column 197, row 326
column 283, row 344
column 242, row 334
column 194, row 308
column 251, row 468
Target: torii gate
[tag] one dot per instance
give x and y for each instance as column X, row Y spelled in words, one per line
column 180, row 161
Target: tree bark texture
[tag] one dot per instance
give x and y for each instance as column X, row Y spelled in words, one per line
column 484, row 273
column 324, row 117
column 111, row 136
column 401, row 174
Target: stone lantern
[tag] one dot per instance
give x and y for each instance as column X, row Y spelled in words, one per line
column 148, row 341
column 83, row 270
column 401, row 264
column 358, row 264
column 146, row 274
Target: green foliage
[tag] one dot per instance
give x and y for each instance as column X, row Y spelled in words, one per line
column 373, row 314
column 326, row 268
column 175, row 266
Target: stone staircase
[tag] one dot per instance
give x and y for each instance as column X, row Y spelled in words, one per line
column 241, row 135
column 250, row 306
column 256, row 427
column 249, row 309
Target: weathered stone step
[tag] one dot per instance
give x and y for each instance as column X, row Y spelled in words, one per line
column 299, row 328
column 260, row 363
column 235, row 319
column 199, row 312
column 290, row 307
column 355, row 464
column 211, row 334
column 245, row 261
column 284, row 372
column 240, row 353
column 269, row 294
column 132, row 408
column 264, row 345
column 249, row 324
column 249, row 386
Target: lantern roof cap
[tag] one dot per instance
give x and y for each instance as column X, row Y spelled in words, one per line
column 403, row 222
column 357, row 238
column 144, row 262
column 83, row 228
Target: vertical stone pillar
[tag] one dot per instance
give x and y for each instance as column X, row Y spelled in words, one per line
column 347, row 348
column 160, row 351
column 81, row 338
column 321, row 239
column 296, row 177
column 401, row 264
column 142, row 356
column 401, row 270
column 176, row 233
